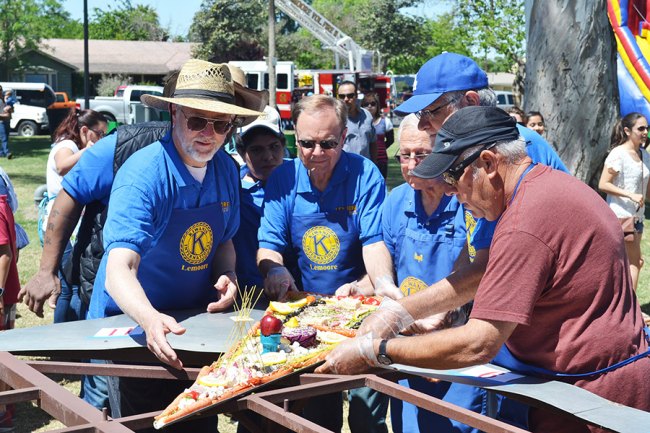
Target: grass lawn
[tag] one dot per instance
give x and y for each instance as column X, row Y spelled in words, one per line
column 27, row 171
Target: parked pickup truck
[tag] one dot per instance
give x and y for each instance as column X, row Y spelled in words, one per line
column 121, row 109
column 62, row 101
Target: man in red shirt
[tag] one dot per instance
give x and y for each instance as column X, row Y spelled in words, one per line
column 556, row 296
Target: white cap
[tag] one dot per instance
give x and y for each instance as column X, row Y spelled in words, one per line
column 269, row 119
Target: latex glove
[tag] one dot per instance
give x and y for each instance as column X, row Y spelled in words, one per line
column 363, row 287
column 435, row 322
column 156, row 328
column 389, row 319
column 42, row 286
column 227, row 287
column 386, row 287
column 353, row 356
column 278, row 282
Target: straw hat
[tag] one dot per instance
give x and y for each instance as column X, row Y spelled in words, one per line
column 245, row 97
column 209, row 86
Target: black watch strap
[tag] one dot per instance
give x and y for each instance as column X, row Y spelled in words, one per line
column 382, row 356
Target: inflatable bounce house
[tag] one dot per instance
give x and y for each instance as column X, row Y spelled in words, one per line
column 629, row 19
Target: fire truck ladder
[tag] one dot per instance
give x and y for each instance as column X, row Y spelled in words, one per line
column 359, row 59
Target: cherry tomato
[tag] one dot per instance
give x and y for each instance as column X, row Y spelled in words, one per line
column 193, row 395
column 371, row 301
column 359, row 297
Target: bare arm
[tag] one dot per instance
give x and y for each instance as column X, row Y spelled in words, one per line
column 607, row 186
column 123, row 286
column 5, row 264
column 65, row 159
column 268, row 259
column 63, row 218
column 224, row 275
column 379, row 265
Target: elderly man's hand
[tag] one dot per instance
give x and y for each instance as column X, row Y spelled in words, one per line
column 277, row 283
column 42, row 286
column 389, row 319
column 227, row 287
column 353, row 356
column 156, row 327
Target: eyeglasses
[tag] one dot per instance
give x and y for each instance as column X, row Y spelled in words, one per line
column 428, row 114
column 642, row 128
column 452, row 176
column 221, row 126
column 347, row 95
column 369, row 104
column 404, row 159
column 100, row 133
column 324, row 144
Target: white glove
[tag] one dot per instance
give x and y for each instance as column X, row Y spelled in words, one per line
column 389, row 319
column 353, row 356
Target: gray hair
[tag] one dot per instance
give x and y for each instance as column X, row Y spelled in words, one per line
column 316, row 103
column 487, row 98
column 512, row 151
column 409, row 121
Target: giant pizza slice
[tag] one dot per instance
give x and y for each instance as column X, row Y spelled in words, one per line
column 291, row 336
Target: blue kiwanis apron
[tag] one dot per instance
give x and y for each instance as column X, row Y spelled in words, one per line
column 422, row 259
column 176, row 272
column 328, row 249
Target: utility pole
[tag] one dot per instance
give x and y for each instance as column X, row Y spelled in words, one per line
column 271, row 55
column 86, row 67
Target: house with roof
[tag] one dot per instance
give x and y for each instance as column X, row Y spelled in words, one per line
column 60, row 62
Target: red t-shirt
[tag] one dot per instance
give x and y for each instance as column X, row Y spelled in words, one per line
column 558, row 269
column 8, row 237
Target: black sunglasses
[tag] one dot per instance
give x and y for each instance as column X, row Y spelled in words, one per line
column 324, row 144
column 452, row 176
column 347, row 95
column 369, row 104
column 221, row 126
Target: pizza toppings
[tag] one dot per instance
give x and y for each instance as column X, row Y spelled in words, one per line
column 304, row 336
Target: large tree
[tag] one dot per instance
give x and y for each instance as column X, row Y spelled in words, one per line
column 571, row 79
column 126, row 22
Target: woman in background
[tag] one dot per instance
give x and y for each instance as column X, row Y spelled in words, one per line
column 78, row 131
column 535, row 121
column 625, row 181
column 383, row 130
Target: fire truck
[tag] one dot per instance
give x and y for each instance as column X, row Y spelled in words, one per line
column 293, row 84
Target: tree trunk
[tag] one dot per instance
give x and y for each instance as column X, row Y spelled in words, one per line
column 571, row 79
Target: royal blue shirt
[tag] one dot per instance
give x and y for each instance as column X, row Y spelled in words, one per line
column 91, row 178
column 245, row 241
column 153, row 182
column 290, row 191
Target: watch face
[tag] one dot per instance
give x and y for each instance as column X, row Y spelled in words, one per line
column 384, row 359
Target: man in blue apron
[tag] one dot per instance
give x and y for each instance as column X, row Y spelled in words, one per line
column 556, row 300
column 173, row 211
column 324, row 210
column 425, row 233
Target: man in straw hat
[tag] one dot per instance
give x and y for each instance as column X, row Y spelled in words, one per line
column 556, row 299
column 173, row 211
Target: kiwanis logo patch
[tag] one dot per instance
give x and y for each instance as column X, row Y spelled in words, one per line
column 321, row 245
column 196, row 243
column 411, row 285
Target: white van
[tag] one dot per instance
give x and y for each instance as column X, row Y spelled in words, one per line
column 30, row 117
column 505, row 99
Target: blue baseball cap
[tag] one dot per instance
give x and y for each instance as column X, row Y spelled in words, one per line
column 444, row 73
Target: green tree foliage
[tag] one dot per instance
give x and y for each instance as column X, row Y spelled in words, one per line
column 126, row 22
column 494, row 26
column 230, row 30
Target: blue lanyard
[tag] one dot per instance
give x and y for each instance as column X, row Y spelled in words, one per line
column 529, row 168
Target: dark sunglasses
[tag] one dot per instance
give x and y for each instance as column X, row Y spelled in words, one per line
column 324, row 144
column 452, row 176
column 369, row 104
column 221, row 126
column 347, row 95
column 642, row 128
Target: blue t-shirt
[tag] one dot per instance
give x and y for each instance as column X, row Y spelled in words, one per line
column 290, row 191
column 150, row 185
column 245, row 241
column 91, row 178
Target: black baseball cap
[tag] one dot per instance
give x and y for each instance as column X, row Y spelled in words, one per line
column 466, row 128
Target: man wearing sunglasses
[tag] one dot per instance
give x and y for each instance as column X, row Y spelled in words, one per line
column 360, row 138
column 322, row 212
column 556, row 299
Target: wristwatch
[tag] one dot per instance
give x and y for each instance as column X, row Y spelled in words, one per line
column 382, row 356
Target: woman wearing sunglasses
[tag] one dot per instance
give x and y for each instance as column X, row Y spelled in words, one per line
column 625, row 181
column 383, row 130
column 78, row 132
